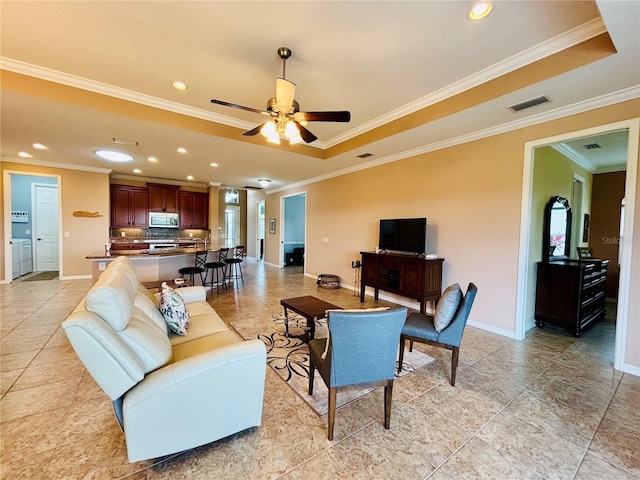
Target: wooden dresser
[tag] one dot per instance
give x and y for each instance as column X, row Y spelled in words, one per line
column 406, row 275
column 571, row 293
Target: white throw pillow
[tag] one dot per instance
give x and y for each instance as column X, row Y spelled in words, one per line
column 447, row 307
column 174, row 310
column 374, row 309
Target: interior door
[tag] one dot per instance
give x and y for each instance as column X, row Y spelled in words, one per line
column 45, row 218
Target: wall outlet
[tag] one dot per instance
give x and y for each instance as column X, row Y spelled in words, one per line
column 123, row 234
column 102, row 266
column 27, row 232
column 325, row 239
column 67, row 234
column 190, row 235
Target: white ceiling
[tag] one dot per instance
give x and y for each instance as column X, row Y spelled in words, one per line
column 379, row 60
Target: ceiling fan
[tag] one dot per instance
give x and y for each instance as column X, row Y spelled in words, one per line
column 287, row 121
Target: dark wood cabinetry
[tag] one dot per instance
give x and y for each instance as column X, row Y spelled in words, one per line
column 406, row 275
column 129, row 206
column 194, row 210
column 163, row 198
column 571, row 293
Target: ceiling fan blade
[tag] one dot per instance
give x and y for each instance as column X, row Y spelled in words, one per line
column 306, row 135
column 339, row 116
column 285, row 91
column 241, row 107
column 254, row 131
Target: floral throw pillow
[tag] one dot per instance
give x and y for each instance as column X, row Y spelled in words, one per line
column 174, row 310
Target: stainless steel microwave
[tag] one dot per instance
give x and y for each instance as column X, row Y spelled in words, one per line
column 163, row 220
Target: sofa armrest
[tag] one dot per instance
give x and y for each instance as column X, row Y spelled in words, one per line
column 193, row 294
column 196, row 400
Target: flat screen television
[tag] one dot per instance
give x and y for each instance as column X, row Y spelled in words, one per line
column 403, row 235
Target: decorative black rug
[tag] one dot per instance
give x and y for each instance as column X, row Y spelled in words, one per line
column 289, row 358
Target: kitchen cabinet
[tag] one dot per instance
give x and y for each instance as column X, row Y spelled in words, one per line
column 129, row 206
column 194, row 210
column 163, row 198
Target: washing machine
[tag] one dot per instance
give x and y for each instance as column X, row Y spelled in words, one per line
column 21, row 257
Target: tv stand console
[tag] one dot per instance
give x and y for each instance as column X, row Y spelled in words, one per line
column 406, row 275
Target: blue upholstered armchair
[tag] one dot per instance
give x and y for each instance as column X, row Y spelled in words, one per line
column 361, row 348
column 424, row 329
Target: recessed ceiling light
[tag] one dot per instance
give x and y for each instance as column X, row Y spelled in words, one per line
column 137, row 170
column 152, row 159
column 179, row 85
column 24, row 155
column 479, row 10
column 114, row 156
column 189, row 177
column 182, row 150
column 213, row 164
column 39, row 146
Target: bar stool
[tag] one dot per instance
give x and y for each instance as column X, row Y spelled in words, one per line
column 235, row 264
column 200, row 260
column 217, row 267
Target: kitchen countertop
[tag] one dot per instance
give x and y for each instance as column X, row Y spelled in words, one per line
column 144, row 253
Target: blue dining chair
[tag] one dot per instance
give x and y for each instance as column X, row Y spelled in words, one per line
column 361, row 348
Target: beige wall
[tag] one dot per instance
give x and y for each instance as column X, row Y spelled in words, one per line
column 79, row 190
column 471, row 195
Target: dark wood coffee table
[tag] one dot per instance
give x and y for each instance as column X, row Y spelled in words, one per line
column 309, row 307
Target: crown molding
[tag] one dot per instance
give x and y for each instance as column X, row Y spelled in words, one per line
column 580, row 107
column 112, row 91
column 67, row 166
column 554, row 45
column 574, row 156
column 164, row 181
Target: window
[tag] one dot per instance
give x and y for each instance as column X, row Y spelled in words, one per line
column 231, row 196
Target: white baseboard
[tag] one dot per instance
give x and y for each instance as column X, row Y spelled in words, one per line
column 490, row 328
column 631, row 369
column 75, row 277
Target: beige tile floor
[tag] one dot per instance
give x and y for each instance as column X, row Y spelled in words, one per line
column 550, row 406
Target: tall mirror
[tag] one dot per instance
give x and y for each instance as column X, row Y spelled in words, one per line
column 556, row 237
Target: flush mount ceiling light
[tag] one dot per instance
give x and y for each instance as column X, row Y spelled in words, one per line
column 213, row 164
column 181, row 150
column 179, row 85
column 479, row 10
column 137, row 170
column 264, row 183
column 114, row 156
column 39, row 146
column 152, row 159
column 189, row 177
column 24, row 155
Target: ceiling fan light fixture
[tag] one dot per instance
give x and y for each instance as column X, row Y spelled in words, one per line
column 291, row 131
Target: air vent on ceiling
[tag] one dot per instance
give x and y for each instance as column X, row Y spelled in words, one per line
column 591, row 146
column 365, row 155
column 123, row 141
column 529, row 103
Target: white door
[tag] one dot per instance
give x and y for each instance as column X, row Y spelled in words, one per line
column 45, row 225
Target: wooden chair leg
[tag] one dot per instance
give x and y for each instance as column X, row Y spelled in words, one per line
column 454, row 364
column 332, row 411
column 411, row 345
column 401, row 354
column 312, row 369
column 388, row 393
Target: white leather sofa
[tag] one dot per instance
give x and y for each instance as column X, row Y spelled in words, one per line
column 170, row 393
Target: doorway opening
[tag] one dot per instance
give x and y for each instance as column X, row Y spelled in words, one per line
column 260, row 226
column 32, row 224
column 530, row 241
column 294, row 230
